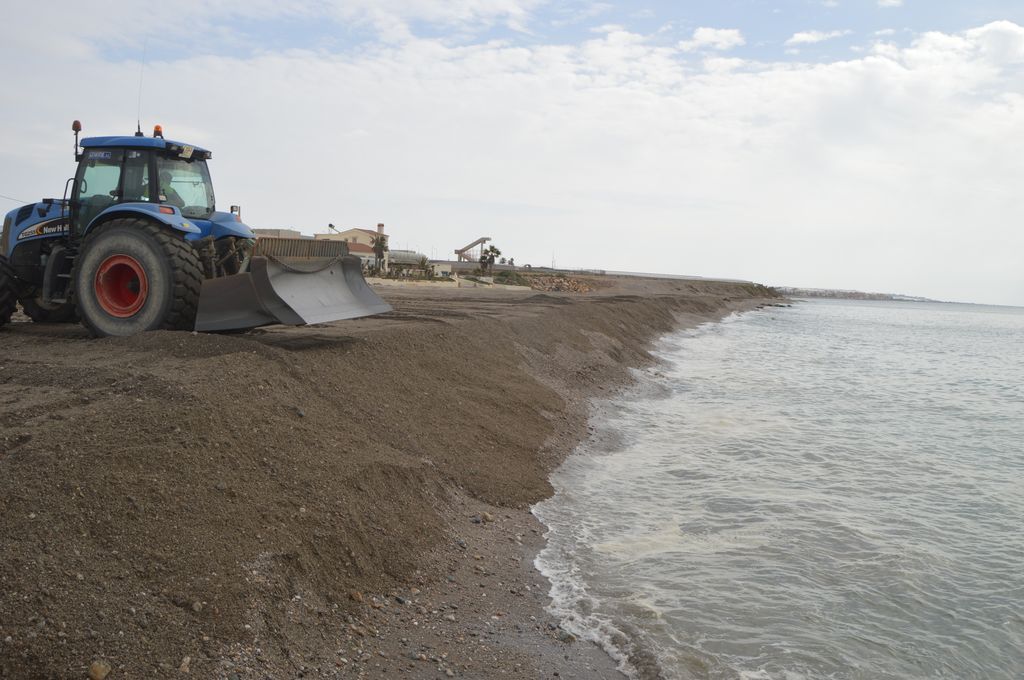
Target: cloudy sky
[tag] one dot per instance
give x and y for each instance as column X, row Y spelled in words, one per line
column 865, row 144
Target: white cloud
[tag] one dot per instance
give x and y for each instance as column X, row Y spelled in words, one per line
column 574, row 15
column 890, row 3
column 812, row 37
column 117, row 21
column 1001, row 42
column 713, row 38
column 895, row 171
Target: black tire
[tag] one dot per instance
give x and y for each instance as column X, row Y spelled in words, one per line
column 8, row 291
column 41, row 311
column 156, row 273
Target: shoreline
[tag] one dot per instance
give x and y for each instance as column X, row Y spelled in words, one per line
column 349, row 500
column 623, row 664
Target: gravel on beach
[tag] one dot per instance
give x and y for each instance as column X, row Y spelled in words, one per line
column 345, row 500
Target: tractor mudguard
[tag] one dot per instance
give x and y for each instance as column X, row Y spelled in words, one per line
column 290, row 281
column 224, row 224
column 158, row 212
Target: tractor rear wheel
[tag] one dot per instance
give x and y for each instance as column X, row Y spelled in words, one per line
column 133, row 276
column 41, row 311
column 8, row 291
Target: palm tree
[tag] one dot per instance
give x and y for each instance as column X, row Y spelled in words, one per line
column 379, row 244
column 428, row 271
column 487, row 257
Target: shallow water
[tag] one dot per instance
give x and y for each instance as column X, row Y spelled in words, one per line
column 832, row 490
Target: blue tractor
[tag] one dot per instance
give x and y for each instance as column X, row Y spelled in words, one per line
column 137, row 244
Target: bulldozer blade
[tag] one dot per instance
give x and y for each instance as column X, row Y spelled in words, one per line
column 276, row 289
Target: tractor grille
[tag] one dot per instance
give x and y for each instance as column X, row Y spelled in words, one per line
column 300, row 248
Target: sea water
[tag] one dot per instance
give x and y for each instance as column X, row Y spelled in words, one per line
column 831, row 490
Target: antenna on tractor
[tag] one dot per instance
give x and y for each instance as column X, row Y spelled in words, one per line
column 142, row 68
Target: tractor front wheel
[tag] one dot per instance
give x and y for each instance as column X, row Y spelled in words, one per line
column 8, row 291
column 41, row 311
column 133, row 276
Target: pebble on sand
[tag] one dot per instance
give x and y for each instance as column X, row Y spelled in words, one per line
column 99, row 670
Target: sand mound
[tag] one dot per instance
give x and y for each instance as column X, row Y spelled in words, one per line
column 175, row 495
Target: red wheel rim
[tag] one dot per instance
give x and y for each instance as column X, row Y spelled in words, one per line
column 121, row 286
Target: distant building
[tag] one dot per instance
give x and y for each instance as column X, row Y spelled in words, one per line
column 407, row 259
column 364, row 253
column 442, row 268
column 360, row 242
column 278, row 233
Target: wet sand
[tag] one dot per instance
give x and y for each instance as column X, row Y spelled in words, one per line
column 348, row 500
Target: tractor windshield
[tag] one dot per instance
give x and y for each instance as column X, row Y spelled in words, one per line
column 186, row 184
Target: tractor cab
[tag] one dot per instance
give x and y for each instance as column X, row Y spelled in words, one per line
column 113, row 170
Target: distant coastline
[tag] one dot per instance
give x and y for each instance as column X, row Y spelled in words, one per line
column 848, row 294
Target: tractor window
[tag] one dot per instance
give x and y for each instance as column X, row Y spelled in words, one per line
column 136, row 175
column 99, row 174
column 185, row 184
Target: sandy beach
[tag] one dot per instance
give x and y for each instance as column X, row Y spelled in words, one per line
column 349, row 500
